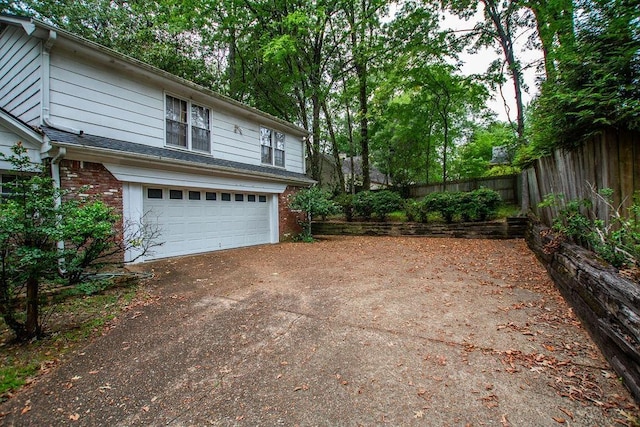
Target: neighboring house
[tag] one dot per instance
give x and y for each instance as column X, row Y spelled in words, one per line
column 329, row 173
column 210, row 171
column 377, row 178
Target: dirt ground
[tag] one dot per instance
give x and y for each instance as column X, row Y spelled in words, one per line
column 345, row 331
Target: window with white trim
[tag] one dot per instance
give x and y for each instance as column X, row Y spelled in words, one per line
column 188, row 125
column 272, row 147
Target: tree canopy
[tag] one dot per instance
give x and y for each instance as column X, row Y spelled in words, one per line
column 382, row 79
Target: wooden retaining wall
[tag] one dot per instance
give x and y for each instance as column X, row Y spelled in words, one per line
column 607, row 304
column 506, row 229
column 609, row 160
column 507, row 186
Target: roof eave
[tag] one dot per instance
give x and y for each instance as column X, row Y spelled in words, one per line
column 105, row 154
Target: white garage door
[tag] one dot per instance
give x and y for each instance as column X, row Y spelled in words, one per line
column 194, row 220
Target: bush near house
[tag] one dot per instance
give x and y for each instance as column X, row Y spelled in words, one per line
column 33, row 219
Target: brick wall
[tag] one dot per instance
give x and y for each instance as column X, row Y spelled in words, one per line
column 289, row 221
column 97, row 181
column 75, row 174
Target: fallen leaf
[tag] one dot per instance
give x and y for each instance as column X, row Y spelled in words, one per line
column 567, row 412
column 418, row 414
column 74, row 417
column 559, row 420
column 93, row 372
column 504, row 421
column 145, row 408
column 77, row 377
column 26, row 409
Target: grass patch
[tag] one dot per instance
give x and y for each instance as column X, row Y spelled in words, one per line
column 70, row 321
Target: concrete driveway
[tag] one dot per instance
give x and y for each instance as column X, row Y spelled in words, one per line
column 345, row 331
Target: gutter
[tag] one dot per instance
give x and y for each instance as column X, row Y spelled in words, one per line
column 119, row 155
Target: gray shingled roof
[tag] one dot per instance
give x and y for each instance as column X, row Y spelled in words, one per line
column 130, row 148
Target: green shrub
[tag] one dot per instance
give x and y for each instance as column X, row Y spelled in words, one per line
column 346, row 202
column 616, row 239
column 315, row 202
column 385, row 202
column 484, row 204
column 478, row 205
column 446, row 204
column 363, row 203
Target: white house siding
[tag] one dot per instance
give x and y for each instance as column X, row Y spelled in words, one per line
column 20, row 71
column 294, row 154
column 104, row 102
column 8, row 139
column 107, row 102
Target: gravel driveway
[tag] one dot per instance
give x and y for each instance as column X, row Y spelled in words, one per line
column 344, row 331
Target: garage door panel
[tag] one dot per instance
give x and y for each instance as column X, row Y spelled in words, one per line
column 192, row 226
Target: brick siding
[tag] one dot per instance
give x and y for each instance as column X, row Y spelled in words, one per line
column 97, row 180
column 289, row 220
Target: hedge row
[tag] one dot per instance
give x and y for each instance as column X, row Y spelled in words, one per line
column 478, row 205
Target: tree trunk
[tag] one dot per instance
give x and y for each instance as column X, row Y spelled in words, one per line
column 334, row 145
column 32, row 326
column 506, row 42
column 364, row 129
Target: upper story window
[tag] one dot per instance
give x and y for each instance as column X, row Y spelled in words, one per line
column 188, row 125
column 272, row 147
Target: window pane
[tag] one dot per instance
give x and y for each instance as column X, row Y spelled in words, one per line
column 176, row 109
column 210, row 196
column 200, row 139
column 226, row 197
column 279, row 141
column 262, row 199
column 199, row 117
column 200, row 128
column 251, row 198
column 279, row 160
column 266, row 154
column 265, row 137
column 239, row 197
column 176, row 133
column 8, row 179
column 176, row 121
column 194, row 195
column 175, row 194
column 154, row 193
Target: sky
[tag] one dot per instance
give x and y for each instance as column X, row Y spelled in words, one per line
column 477, row 63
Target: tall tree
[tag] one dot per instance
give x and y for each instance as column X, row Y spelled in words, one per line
column 502, row 24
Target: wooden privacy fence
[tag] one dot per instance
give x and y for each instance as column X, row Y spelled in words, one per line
column 609, row 160
column 507, row 186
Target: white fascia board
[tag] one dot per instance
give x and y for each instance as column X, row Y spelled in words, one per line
column 106, row 156
column 29, row 136
column 159, row 177
column 18, row 131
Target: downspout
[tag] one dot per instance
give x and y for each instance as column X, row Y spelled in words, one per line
column 57, row 202
column 46, row 86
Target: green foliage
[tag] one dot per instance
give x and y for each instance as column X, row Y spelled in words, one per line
column 33, row 220
column 595, row 85
column 346, row 203
column 14, row 377
column 363, row 203
column 385, row 202
column 315, row 202
column 616, row 239
column 474, row 157
column 477, row 205
column 447, row 204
